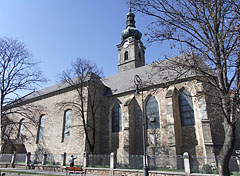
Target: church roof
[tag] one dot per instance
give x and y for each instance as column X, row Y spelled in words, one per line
column 53, row 90
column 157, row 73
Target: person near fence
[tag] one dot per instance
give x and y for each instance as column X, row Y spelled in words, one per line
column 72, row 161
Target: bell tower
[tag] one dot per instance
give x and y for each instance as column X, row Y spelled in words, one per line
column 131, row 52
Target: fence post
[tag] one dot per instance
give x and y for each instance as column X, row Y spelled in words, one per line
column 85, row 157
column 238, row 161
column 112, row 163
column 13, row 159
column 44, row 161
column 28, row 159
column 186, row 163
column 64, row 157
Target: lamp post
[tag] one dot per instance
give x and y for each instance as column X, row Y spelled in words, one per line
column 139, row 86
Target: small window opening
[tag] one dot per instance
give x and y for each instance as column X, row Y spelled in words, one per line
column 126, row 55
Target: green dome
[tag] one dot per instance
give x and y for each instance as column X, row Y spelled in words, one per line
column 131, row 30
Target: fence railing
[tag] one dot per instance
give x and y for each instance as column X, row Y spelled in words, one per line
column 184, row 163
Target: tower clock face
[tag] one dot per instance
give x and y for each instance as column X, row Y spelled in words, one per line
column 126, row 44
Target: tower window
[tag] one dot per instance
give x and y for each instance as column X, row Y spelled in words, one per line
column 126, row 55
column 139, row 55
column 186, row 108
column 116, row 118
column 40, row 128
column 66, row 124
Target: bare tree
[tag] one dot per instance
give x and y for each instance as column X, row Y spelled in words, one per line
column 18, row 73
column 210, row 29
column 14, row 121
column 84, row 79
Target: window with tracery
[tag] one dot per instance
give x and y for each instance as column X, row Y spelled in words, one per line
column 116, row 118
column 41, row 128
column 186, row 108
column 67, row 124
column 152, row 113
column 21, row 126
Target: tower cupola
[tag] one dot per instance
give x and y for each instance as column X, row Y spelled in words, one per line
column 131, row 30
column 131, row 52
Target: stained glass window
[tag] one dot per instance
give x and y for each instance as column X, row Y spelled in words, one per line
column 116, row 118
column 186, row 108
column 152, row 113
column 67, row 123
column 5, row 130
column 21, row 126
column 41, row 127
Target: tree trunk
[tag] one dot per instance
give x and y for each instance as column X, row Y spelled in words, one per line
column 227, row 149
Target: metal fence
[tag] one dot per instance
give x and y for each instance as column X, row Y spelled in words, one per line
column 36, row 159
column 5, row 158
column 166, row 162
column 130, row 162
column 234, row 164
column 156, row 162
column 208, row 165
column 20, row 158
column 98, row 161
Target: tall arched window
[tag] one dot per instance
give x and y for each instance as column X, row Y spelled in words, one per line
column 186, row 108
column 40, row 128
column 21, row 126
column 67, row 124
column 5, row 130
column 116, row 118
column 152, row 113
column 126, row 55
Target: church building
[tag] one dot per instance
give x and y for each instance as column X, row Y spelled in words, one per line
column 176, row 119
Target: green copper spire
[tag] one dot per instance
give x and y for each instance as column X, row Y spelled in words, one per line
column 131, row 30
column 130, row 17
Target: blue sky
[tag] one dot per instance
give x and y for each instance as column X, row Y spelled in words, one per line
column 58, row 31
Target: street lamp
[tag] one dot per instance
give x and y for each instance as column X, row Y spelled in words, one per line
column 139, row 86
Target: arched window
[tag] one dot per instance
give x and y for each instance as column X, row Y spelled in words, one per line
column 186, row 108
column 40, row 128
column 67, row 124
column 152, row 113
column 116, row 118
column 126, row 55
column 139, row 55
column 5, row 130
column 21, row 126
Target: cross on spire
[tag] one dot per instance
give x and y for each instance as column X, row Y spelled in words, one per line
column 130, row 6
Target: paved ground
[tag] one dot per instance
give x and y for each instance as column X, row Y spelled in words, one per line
column 32, row 171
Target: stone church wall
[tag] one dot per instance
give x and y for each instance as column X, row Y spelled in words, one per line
column 53, row 107
column 171, row 138
column 216, row 121
column 97, row 107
